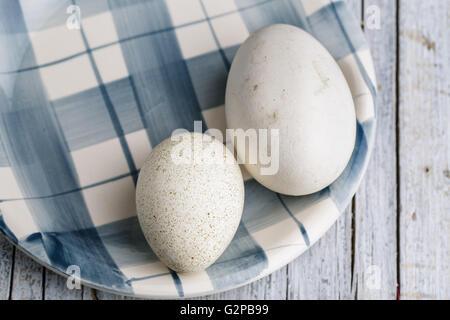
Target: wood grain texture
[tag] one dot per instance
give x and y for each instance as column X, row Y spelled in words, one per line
column 56, row 288
column 324, row 271
column 272, row 287
column 27, row 281
column 375, row 247
column 6, row 263
column 424, row 149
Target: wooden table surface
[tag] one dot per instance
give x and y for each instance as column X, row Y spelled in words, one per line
column 393, row 241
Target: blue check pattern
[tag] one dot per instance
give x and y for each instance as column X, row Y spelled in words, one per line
column 77, row 107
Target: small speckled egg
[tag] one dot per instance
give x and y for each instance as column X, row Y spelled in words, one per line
column 190, row 197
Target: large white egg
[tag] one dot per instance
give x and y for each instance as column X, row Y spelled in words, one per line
column 282, row 78
column 189, row 197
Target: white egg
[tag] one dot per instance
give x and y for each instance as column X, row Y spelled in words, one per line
column 282, row 78
column 190, row 197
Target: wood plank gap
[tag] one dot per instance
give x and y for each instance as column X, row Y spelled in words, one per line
column 43, row 283
column 353, row 250
column 12, row 273
column 287, row 283
column 363, row 15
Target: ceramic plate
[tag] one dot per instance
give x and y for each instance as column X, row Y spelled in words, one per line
column 81, row 108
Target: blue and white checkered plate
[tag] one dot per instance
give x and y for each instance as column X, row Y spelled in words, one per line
column 80, row 109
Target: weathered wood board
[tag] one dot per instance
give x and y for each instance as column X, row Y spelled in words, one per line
column 56, row 288
column 27, row 278
column 424, row 149
column 375, row 243
column 6, row 263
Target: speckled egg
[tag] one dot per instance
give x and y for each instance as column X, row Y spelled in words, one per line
column 282, row 78
column 190, row 197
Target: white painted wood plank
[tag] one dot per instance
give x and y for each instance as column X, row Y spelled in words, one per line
column 6, row 263
column 424, row 149
column 375, row 202
column 272, row 287
column 56, row 288
column 324, row 272
column 87, row 293
column 27, row 278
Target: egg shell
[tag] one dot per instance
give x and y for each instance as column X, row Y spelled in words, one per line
column 189, row 197
column 282, row 78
